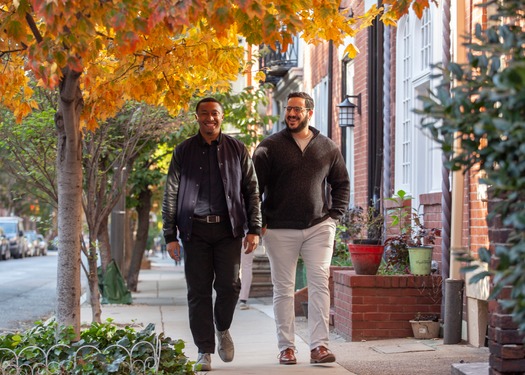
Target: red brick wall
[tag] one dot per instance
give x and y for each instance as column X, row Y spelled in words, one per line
column 336, row 97
column 432, row 214
column 477, row 225
column 506, row 343
column 380, row 307
column 361, row 124
column 507, row 353
column 319, row 62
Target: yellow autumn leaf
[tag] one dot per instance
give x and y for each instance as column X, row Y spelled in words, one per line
column 351, row 50
column 28, row 91
column 260, row 76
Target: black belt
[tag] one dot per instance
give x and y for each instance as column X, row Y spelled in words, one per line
column 210, row 219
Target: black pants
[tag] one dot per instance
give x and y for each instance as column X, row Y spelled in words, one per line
column 212, row 258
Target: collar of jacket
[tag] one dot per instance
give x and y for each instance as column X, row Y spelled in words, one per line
column 202, row 142
column 288, row 133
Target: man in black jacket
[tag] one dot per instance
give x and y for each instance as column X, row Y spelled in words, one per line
column 306, row 189
column 211, row 197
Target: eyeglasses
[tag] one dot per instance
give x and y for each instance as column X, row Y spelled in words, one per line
column 295, row 109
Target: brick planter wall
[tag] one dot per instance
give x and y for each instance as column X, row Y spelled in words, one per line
column 380, row 307
column 333, row 270
column 507, row 351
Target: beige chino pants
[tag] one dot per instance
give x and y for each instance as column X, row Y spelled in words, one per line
column 315, row 246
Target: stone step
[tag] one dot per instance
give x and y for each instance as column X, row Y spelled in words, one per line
column 261, row 289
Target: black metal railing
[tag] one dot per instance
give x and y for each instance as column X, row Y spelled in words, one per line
column 276, row 63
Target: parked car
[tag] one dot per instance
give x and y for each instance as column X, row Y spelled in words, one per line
column 32, row 245
column 5, row 252
column 37, row 244
column 13, row 228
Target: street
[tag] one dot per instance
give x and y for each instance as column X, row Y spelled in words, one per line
column 27, row 291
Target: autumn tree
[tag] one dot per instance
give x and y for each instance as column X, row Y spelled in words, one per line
column 99, row 54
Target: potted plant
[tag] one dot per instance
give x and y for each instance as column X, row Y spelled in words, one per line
column 411, row 243
column 363, row 236
column 425, row 326
column 340, row 256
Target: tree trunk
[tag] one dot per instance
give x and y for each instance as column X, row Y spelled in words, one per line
column 104, row 244
column 129, row 242
column 69, row 178
column 96, row 310
column 143, row 210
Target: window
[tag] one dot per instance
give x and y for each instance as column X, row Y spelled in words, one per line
column 320, row 96
column 426, row 41
column 405, row 136
column 417, row 157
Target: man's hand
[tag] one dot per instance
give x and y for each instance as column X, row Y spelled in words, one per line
column 173, row 249
column 251, row 241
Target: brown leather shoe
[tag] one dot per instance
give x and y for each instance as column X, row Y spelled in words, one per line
column 321, row 355
column 287, row 357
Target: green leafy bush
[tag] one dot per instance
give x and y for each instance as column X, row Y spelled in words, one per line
column 103, row 348
column 480, row 108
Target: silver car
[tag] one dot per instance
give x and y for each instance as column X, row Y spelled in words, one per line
column 13, row 228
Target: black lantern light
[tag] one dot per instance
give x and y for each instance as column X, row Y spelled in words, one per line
column 347, row 111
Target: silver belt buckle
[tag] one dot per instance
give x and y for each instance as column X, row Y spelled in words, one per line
column 213, row 219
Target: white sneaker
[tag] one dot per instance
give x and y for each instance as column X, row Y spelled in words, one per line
column 225, row 346
column 244, row 306
column 203, row 362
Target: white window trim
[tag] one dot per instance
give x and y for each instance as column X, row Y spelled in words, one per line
column 424, row 154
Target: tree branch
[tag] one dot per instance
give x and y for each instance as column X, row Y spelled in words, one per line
column 34, row 28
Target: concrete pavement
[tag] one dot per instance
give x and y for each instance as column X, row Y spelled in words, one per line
column 161, row 300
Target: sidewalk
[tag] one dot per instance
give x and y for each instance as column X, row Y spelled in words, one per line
column 162, row 300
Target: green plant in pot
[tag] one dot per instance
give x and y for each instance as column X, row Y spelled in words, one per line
column 340, row 256
column 409, row 247
column 364, row 238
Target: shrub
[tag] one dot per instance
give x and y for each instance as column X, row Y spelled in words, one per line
column 483, row 114
column 103, row 348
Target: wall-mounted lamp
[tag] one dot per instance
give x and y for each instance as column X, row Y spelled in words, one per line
column 347, row 109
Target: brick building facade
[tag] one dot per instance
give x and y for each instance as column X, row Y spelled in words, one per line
column 418, row 41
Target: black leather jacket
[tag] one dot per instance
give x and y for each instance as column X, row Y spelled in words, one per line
column 238, row 177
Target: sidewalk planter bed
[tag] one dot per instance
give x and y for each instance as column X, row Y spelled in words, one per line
column 373, row 307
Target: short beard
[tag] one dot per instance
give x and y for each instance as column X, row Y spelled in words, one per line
column 302, row 125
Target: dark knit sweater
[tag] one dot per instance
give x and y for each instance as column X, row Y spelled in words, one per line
column 301, row 188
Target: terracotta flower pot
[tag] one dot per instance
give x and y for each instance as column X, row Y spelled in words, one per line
column 366, row 258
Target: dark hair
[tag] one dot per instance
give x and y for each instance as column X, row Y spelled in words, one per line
column 308, row 101
column 209, row 100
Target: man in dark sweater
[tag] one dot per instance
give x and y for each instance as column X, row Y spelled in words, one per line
column 303, row 179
